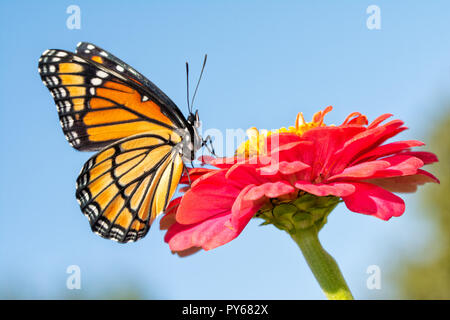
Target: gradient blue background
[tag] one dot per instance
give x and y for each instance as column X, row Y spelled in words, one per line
column 267, row 61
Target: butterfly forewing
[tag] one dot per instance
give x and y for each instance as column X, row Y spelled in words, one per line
column 95, row 105
column 108, row 60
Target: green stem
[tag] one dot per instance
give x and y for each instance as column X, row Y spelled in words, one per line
column 323, row 266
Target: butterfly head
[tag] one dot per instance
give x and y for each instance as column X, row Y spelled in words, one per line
column 194, row 119
column 192, row 140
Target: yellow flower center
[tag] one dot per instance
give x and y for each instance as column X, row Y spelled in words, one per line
column 255, row 145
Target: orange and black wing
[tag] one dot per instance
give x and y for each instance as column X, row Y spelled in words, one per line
column 103, row 104
column 126, row 185
column 98, row 103
column 108, row 60
column 93, row 52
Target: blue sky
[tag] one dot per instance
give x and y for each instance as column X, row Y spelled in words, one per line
column 267, row 60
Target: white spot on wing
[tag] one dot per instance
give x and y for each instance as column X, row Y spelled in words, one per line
column 55, row 80
column 67, row 103
column 102, row 74
column 62, row 92
column 96, row 81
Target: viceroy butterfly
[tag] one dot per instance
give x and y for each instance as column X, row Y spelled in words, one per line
column 142, row 138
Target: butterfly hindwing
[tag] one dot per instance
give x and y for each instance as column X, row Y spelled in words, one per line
column 98, row 106
column 127, row 184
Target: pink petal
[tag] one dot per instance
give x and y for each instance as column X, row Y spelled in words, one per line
column 227, row 163
column 221, row 162
column 397, row 165
column 269, row 190
column 426, row 157
column 203, row 177
column 244, row 208
column 207, row 234
column 373, row 200
column 326, row 142
column 280, row 140
column 284, row 167
column 297, row 151
column 364, row 142
column 405, row 184
column 215, row 231
column 339, row 189
column 388, row 149
column 400, row 165
column 213, row 196
column 362, row 170
column 245, row 174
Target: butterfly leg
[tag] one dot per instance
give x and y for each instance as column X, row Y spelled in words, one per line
column 187, row 173
column 207, row 142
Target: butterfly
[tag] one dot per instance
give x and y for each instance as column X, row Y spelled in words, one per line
column 142, row 138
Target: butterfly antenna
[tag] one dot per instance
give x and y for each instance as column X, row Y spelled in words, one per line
column 187, row 87
column 200, row 78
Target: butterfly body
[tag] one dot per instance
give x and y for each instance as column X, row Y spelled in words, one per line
column 141, row 137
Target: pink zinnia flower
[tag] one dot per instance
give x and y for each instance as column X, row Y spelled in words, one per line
column 310, row 161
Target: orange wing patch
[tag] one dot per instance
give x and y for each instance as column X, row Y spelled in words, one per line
column 97, row 107
column 97, row 59
column 106, row 116
column 130, row 98
column 69, row 67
